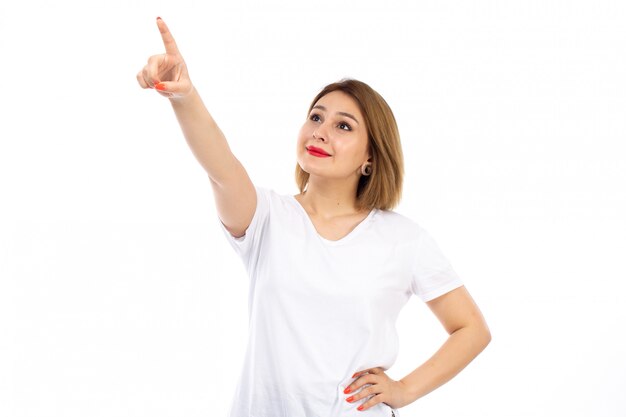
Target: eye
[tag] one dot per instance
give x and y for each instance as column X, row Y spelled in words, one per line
column 315, row 117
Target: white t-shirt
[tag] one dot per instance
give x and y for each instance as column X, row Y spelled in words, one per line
column 321, row 310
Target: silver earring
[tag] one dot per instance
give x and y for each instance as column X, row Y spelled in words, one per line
column 366, row 170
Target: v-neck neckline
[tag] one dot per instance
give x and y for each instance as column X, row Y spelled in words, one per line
column 346, row 238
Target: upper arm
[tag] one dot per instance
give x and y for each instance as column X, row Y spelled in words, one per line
column 235, row 200
column 456, row 309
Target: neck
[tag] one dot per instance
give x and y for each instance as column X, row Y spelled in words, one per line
column 329, row 200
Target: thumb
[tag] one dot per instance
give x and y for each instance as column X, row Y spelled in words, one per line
column 178, row 88
column 165, row 86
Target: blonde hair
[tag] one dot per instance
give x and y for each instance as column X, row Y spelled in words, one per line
column 382, row 189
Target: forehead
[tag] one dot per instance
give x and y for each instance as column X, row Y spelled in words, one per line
column 338, row 101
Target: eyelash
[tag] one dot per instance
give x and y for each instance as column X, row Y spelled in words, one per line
column 343, row 123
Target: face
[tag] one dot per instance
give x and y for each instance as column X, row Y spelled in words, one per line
column 334, row 125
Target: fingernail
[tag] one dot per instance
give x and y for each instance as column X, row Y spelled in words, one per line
column 349, row 399
column 159, row 18
column 354, row 374
column 360, row 408
column 160, row 86
column 347, row 390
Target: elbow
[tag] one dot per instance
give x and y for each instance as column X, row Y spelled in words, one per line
column 480, row 335
column 485, row 336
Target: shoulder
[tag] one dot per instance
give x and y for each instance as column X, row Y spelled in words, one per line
column 268, row 193
column 275, row 200
column 402, row 226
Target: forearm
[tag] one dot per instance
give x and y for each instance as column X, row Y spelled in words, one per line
column 204, row 137
column 461, row 347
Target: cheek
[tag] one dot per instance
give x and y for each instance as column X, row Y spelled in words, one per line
column 303, row 134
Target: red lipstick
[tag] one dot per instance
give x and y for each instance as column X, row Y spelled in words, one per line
column 317, row 152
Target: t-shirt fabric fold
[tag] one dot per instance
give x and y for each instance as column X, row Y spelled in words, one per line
column 319, row 310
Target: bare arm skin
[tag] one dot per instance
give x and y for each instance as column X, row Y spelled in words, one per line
column 469, row 335
column 234, row 192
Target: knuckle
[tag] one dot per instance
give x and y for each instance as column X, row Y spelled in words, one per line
column 141, row 81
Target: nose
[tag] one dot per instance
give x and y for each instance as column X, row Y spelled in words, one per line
column 319, row 133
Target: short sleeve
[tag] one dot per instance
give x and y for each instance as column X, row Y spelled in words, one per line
column 432, row 272
column 248, row 245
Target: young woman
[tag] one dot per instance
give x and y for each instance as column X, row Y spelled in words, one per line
column 331, row 267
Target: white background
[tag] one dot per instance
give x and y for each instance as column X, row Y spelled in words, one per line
column 119, row 296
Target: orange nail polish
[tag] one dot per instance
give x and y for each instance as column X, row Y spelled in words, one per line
column 360, row 408
column 347, row 390
column 160, row 86
column 350, row 399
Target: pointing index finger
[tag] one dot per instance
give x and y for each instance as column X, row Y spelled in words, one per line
column 168, row 39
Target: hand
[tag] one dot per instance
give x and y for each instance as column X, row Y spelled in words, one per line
column 167, row 73
column 393, row 393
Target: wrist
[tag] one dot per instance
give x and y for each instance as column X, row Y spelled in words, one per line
column 181, row 99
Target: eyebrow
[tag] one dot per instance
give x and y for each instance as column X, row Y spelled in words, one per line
column 343, row 113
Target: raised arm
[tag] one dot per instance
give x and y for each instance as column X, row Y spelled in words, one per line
column 234, row 192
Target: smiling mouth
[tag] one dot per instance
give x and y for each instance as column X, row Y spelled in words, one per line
column 315, row 153
column 314, row 150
